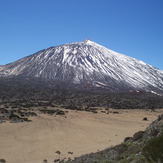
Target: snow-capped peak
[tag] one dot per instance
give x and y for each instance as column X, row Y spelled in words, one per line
column 88, row 61
column 87, row 41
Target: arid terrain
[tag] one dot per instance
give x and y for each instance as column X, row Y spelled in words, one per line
column 72, row 135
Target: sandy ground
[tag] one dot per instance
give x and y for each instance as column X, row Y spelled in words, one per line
column 80, row 133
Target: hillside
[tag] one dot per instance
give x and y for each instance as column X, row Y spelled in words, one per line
column 144, row 147
column 17, row 90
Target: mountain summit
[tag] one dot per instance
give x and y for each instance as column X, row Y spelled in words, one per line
column 88, row 62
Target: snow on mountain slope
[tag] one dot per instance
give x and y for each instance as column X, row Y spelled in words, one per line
column 1, row 69
column 90, row 62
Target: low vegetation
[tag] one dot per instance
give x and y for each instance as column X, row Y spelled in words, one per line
column 2, row 161
column 143, row 147
column 153, row 150
column 30, row 91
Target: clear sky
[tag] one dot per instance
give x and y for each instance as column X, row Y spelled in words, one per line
column 131, row 27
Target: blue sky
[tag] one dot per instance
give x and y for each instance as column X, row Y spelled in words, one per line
column 131, row 27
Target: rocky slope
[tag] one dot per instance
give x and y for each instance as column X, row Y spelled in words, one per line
column 32, row 90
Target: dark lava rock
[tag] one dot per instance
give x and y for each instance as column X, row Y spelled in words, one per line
column 145, row 119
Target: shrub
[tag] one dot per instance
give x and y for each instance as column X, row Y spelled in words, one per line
column 138, row 135
column 56, row 160
column 2, row 161
column 58, row 152
column 153, row 150
column 160, row 117
column 121, row 148
column 60, row 112
column 127, row 138
column 45, row 161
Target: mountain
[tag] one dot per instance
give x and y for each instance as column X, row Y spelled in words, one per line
column 88, row 63
column 1, row 67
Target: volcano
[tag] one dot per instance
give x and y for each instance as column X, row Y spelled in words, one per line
column 87, row 62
